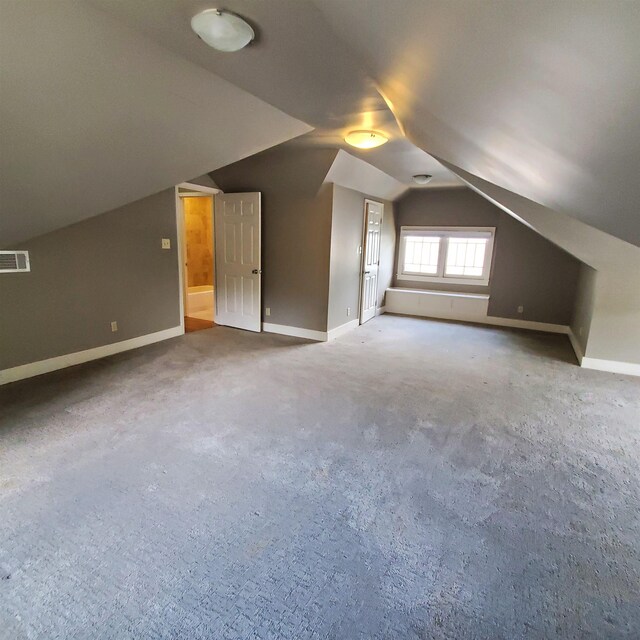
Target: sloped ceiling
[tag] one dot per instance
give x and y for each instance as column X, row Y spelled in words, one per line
column 354, row 173
column 540, row 97
column 106, row 101
column 94, row 115
column 297, row 64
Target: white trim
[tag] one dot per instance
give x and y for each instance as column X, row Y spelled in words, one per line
column 193, row 194
column 447, row 294
column 342, row 329
column 180, row 241
column 198, row 187
column 414, row 277
column 527, row 324
column 296, row 332
column 71, row 359
column 381, row 310
column 460, row 230
column 445, row 233
column 611, row 366
column 577, row 348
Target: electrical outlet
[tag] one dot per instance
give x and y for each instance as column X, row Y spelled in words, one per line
column 114, row 326
column 360, row 250
column 348, row 311
column 520, row 309
column 166, row 243
column 267, row 311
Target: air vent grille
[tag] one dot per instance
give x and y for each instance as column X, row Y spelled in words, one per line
column 14, row 261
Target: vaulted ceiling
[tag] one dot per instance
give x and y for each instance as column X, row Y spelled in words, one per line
column 105, row 101
column 297, row 64
column 94, row 115
column 540, row 97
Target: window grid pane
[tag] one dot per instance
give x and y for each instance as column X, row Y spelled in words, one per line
column 465, row 257
column 421, row 254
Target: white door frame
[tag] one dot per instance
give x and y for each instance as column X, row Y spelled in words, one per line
column 194, row 190
column 364, row 251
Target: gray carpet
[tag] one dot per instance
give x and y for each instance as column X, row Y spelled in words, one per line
column 412, row 479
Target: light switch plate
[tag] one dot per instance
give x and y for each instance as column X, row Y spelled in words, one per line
column 166, row 243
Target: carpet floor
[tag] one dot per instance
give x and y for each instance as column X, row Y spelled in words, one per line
column 412, row 479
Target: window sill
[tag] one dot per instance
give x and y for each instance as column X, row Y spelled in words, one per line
column 466, row 281
column 446, row 294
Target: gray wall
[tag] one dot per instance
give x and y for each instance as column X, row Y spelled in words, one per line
column 346, row 238
column 583, row 311
column 296, row 230
column 386, row 273
column 527, row 270
column 110, row 267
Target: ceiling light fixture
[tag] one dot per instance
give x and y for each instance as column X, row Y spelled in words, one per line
column 222, row 30
column 422, row 178
column 365, row 139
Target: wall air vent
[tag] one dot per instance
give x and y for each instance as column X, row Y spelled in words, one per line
column 14, row 261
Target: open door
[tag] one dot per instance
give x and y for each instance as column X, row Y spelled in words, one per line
column 370, row 259
column 238, row 260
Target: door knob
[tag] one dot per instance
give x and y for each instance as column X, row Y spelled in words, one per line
column 256, row 271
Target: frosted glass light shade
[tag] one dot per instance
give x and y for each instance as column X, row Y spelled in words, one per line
column 365, row 139
column 222, row 30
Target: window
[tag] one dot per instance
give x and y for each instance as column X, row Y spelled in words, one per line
column 458, row 255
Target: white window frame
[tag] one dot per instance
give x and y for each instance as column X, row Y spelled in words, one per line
column 445, row 233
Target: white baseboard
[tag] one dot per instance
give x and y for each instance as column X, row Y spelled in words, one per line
column 296, row 332
column 381, row 310
column 418, row 305
column 342, row 329
column 318, row 336
column 611, row 366
column 70, row 359
column 525, row 324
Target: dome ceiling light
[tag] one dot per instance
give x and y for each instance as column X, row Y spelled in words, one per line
column 364, row 139
column 422, row 178
column 222, row 30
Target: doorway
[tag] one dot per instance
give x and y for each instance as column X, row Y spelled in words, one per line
column 372, row 234
column 219, row 258
column 198, row 257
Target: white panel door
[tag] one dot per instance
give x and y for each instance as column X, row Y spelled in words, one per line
column 238, row 268
column 370, row 259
